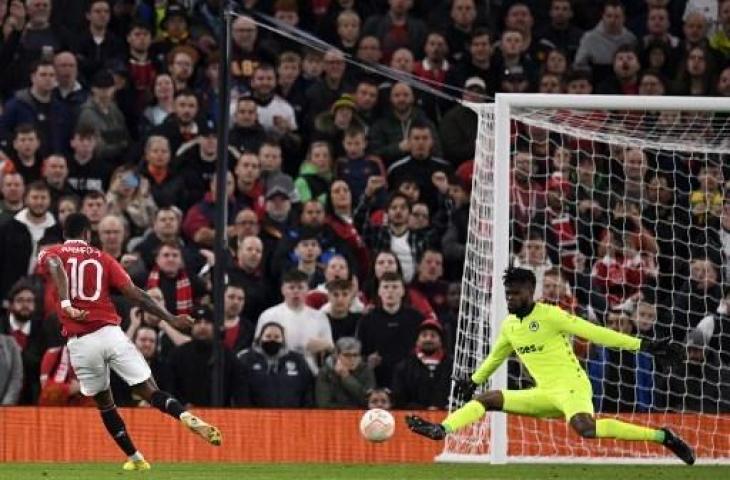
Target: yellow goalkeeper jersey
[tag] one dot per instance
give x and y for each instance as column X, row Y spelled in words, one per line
column 542, row 341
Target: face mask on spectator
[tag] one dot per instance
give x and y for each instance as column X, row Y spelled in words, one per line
column 271, row 347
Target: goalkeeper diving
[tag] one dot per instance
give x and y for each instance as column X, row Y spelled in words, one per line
column 540, row 334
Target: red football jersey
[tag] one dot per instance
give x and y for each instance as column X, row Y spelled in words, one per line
column 91, row 275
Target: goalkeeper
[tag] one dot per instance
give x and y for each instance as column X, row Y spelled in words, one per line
column 540, row 335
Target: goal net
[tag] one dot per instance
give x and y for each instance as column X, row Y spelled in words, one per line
column 619, row 206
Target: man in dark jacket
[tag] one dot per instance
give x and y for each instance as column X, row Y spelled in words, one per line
column 423, row 379
column 37, row 106
column 27, row 329
column 247, row 134
column 192, row 365
column 272, row 376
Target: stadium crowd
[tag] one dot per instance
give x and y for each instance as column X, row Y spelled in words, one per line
column 348, row 193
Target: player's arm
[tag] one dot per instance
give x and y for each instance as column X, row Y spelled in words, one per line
column 664, row 350
column 143, row 300
column 465, row 387
column 579, row 327
column 60, row 281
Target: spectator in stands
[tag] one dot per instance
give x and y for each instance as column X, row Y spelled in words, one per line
column 199, row 222
column 579, row 82
column 478, row 63
column 167, row 187
column 344, row 379
column 343, row 308
column 145, row 339
column 12, row 190
column 339, row 219
column 534, row 256
column 698, row 297
column 102, row 113
column 622, row 380
column 625, row 76
column 142, row 72
column 98, row 45
column 26, row 326
column 112, row 237
column 58, row 382
column 560, row 33
column 389, row 329
column 37, row 106
column 720, row 39
column 421, row 164
column 695, row 30
column 11, row 371
column 250, row 188
column 348, row 31
column 696, row 73
column 272, row 375
column 461, row 25
column 181, row 63
column 129, row 196
column 598, row 46
column 706, row 202
column 423, row 379
column 647, row 323
column 652, row 82
column 168, row 337
column 527, row 196
column 290, row 85
column 26, row 157
column 248, row 272
column 366, row 100
column 702, row 383
column 175, row 31
column 247, row 134
column 397, row 29
column 93, row 205
column 182, row 124
column 87, row 171
column 355, row 167
column 191, row 366
column 556, row 291
column 315, row 173
column 169, row 275
column 658, row 25
column 163, row 90
column 388, row 137
column 275, row 114
column 323, row 93
column 237, row 329
column 458, row 127
column 380, row 398
column 308, row 330
column 429, row 279
column 407, row 244
column 307, row 250
column 36, row 217
column 515, row 70
column 55, row 174
column 69, row 90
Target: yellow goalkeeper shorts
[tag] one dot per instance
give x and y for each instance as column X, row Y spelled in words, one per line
column 553, row 403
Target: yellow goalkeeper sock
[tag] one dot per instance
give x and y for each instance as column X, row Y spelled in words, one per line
column 610, row 428
column 466, row 415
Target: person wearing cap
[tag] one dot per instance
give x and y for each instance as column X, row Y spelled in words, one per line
column 98, row 44
column 190, row 364
column 330, row 126
column 196, row 160
column 280, row 194
column 423, row 379
column 273, row 375
column 101, row 112
column 344, row 379
column 174, row 30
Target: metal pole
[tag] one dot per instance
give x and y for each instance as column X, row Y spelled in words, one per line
column 221, row 213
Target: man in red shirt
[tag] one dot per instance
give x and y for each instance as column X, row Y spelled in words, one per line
column 83, row 277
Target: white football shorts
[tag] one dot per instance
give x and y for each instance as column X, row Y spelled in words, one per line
column 93, row 354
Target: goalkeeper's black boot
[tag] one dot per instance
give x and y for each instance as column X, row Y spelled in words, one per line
column 678, row 446
column 434, row 431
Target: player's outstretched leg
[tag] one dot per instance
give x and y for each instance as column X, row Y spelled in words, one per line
column 168, row 404
column 118, row 431
column 588, row 427
column 471, row 412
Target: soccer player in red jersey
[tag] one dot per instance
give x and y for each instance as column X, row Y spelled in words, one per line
column 83, row 277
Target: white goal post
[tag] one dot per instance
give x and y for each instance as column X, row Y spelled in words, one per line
column 593, row 130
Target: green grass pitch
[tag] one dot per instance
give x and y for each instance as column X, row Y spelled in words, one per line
column 223, row 471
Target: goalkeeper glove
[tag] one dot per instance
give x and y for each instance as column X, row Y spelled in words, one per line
column 666, row 352
column 464, row 387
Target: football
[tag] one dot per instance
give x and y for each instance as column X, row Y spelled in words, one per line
column 377, row 425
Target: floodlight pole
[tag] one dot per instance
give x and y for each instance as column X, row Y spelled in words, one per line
column 221, row 213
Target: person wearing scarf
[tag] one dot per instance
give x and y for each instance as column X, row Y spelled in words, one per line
column 168, row 274
column 423, row 379
column 59, row 386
